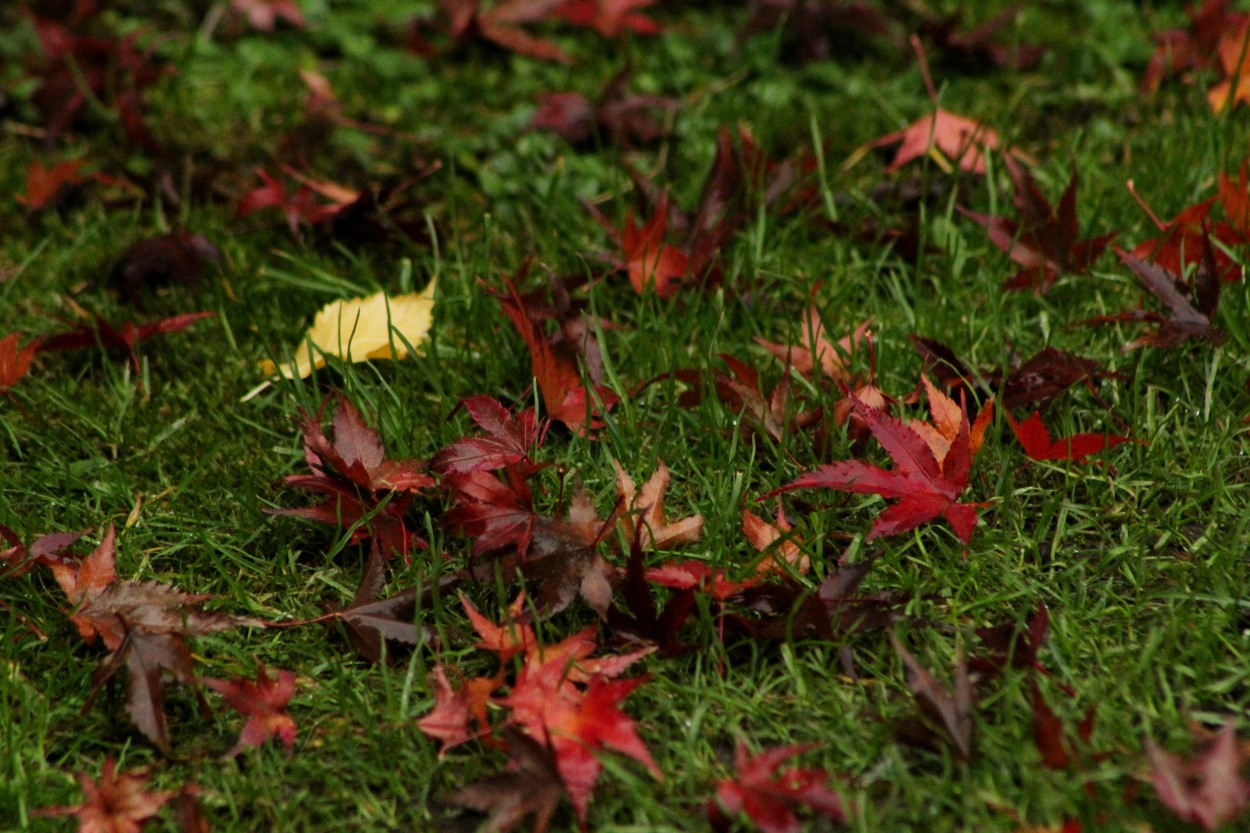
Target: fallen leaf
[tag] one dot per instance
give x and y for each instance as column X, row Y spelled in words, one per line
column 263, row 702
column 125, row 336
column 530, row 787
column 554, row 368
column 815, row 351
column 950, row 712
column 356, row 480
column 44, row 186
column 1043, row 241
column 177, row 257
column 379, row 326
column 510, row 442
column 948, row 417
column 15, row 363
column 1038, row 445
column 117, row 803
column 642, row 513
column 925, row 489
column 1189, row 318
column 769, row 796
column 956, row 140
column 610, row 18
column 1209, row 788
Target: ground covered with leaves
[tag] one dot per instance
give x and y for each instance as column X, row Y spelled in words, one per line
column 624, row 415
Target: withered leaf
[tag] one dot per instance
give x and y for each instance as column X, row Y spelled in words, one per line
column 950, row 712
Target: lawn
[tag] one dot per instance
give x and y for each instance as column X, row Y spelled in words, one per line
column 711, row 453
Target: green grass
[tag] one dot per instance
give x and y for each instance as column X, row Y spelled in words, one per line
column 1140, row 557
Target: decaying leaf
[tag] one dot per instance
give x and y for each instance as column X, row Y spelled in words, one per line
column 950, row 712
column 379, row 326
column 117, row 803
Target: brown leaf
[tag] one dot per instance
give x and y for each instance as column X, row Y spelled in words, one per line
column 951, row 712
column 117, row 803
column 530, row 787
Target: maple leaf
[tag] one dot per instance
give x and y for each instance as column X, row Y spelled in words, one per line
column 642, row 513
column 615, row 117
column 555, row 368
column 775, row 542
column 143, row 625
column 108, row 71
column 640, row 620
column 117, row 803
column 456, row 708
column 947, row 420
column 946, row 137
column 773, row 413
column 302, row 207
column 1232, row 58
column 1038, row 445
column 510, row 442
column 1058, row 750
column 1209, row 788
column 15, row 363
column 768, row 796
column 815, row 351
column 1181, row 247
column 379, row 326
column 1178, row 50
column 950, row 712
column 610, row 18
column 649, row 261
column 1043, row 241
column 1190, row 318
column 501, row 23
column 125, row 336
column 177, row 257
column 263, row 702
column 577, row 724
column 263, row 14
column 1044, row 376
column 494, row 513
column 530, row 787
column 44, row 186
column 372, row 622
column 358, row 482
column 925, row 489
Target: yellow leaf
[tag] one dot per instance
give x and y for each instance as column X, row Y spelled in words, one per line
column 359, row 329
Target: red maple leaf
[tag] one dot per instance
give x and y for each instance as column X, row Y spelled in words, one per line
column 1178, row 50
column 264, row 703
column 576, row 723
column 650, row 261
column 1037, row 443
column 510, row 441
column 117, row 803
column 960, row 140
column 500, row 23
column 15, row 363
column 1209, row 788
column 1044, row 240
column 768, row 796
column 555, row 368
column 303, row 206
column 45, row 185
column 355, row 477
column 609, row 18
column 125, row 336
column 924, row 488
column 1180, row 247
column 110, row 70
column 616, row 117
